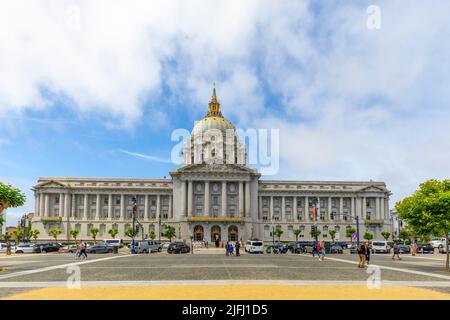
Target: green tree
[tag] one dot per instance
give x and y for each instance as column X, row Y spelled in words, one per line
column 152, row 235
column 55, row 233
column 10, row 197
column 349, row 233
column 113, row 233
column 94, row 231
column 7, row 237
column 404, row 235
column 427, row 210
column 332, row 234
column 278, row 232
column 18, row 234
column 74, row 233
column 315, row 233
column 129, row 232
column 2, row 221
column 35, row 234
column 368, row 236
column 169, row 232
column 297, row 233
column 385, row 235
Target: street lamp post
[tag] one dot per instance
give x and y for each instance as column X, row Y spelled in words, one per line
column 134, row 200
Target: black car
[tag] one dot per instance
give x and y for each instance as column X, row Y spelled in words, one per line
column 178, row 247
column 335, row 248
column 425, row 248
column 100, row 248
column 403, row 248
column 298, row 247
column 48, row 247
column 277, row 248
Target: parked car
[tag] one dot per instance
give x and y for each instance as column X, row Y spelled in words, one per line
column 254, row 246
column 178, row 247
column 353, row 248
column 147, row 246
column 165, row 245
column 343, row 244
column 403, row 248
column 114, row 242
column 298, row 247
column 380, row 246
column 3, row 247
column 68, row 249
column 335, row 248
column 277, row 248
column 100, row 248
column 438, row 242
column 26, row 248
column 48, row 247
column 425, row 248
column 442, row 249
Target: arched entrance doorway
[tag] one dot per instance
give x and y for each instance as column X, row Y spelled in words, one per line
column 215, row 235
column 232, row 233
column 198, row 233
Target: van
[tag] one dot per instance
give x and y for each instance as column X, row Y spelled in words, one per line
column 114, row 242
column 147, row 246
column 380, row 246
column 254, row 246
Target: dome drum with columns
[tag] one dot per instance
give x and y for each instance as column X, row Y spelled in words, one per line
column 213, row 197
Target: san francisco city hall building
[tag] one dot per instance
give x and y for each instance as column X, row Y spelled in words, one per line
column 208, row 199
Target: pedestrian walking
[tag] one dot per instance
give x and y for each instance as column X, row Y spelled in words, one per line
column 367, row 253
column 396, row 252
column 321, row 251
column 237, row 246
column 230, row 249
column 414, row 248
column 362, row 255
column 227, row 249
column 83, row 250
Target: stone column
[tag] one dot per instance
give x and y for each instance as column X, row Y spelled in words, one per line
column 183, row 198
column 283, row 208
column 47, row 205
column 74, row 205
column 241, row 199
column 170, row 207
column 271, row 208
column 377, row 208
column 328, row 217
column 158, row 206
column 306, row 209
column 352, row 206
column 86, row 198
column 260, row 207
column 364, row 208
column 206, row 209
column 122, row 206
column 224, row 199
column 294, row 208
column 36, row 204
column 318, row 209
column 61, row 204
column 247, row 198
column 341, row 208
column 190, row 191
column 98, row 207
column 110, row 206
column 67, row 205
column 41, row 205
column 146, row 213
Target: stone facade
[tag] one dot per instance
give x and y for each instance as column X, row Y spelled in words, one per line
column 213, row 195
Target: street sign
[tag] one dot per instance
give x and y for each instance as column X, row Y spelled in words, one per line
column 354, row 236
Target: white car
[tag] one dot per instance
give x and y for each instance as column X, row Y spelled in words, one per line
column 380, row 246
column 114, row 242
column 3, row 247
column 26, row 248
column 442, row 249
column 438, row 242
column 254, row 246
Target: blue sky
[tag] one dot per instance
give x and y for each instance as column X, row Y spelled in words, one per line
column 81, row 82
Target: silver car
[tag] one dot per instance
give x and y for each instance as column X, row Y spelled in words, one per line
column 26, row 248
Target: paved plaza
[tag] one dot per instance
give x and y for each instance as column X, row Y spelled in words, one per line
column 208, row 274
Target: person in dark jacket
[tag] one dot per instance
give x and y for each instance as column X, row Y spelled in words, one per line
column 367, row 254
column 362, row 255
column 237, row 246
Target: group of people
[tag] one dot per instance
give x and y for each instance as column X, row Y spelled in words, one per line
column 229, row 249
column 319, row 249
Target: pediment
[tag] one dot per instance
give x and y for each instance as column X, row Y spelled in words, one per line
column 372, row 188
column 50, row 184
column 215, row 168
